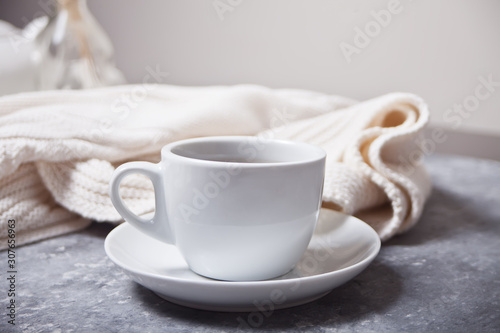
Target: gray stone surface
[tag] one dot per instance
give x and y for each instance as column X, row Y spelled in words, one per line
column 442, row 276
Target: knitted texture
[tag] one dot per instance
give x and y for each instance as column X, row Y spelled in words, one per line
column 58, row 149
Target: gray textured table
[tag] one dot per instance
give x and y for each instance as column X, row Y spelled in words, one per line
column 442, row 276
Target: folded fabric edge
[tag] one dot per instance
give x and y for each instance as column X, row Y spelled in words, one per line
column 26, row 237
column 366, row 154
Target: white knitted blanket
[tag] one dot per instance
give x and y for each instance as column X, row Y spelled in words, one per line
column 58, row 149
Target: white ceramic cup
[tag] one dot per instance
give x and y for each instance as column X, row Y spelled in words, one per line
column 238, row 208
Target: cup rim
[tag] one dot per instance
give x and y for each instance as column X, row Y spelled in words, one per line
column 317, row 153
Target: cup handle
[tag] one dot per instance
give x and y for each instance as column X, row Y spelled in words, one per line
column 158, row 226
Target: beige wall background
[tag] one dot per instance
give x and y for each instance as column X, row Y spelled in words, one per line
column 447, row 51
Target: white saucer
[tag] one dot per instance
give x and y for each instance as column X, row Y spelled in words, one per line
column 342, row 246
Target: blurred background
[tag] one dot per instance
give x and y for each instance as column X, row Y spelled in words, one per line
column 446, row 51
